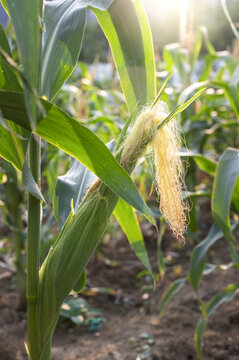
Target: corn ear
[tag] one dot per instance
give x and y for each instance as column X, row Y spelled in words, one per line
column 68, row 258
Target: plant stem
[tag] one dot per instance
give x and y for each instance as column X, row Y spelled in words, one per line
column 33, row 242
column 20, row 261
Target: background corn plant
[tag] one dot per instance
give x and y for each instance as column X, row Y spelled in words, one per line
column 211, row 132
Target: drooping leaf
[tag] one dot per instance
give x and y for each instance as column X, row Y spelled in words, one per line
column 68, row 134
column 127, row 30
column 128, row 221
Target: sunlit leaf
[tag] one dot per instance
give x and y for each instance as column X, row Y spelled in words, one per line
column 127, row 30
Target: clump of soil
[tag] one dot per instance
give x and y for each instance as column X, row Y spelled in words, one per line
column 131, row 330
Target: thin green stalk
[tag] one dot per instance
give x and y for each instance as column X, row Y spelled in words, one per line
column 20, row 261
column 33, row 235
column 33, row 251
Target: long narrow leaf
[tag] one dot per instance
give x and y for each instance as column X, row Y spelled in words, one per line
column 128, row 221
column 127, row 30
column 68, row 134
column 225, row 180
column 28, row 34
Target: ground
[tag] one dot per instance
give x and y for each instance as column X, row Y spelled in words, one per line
column 131, row 329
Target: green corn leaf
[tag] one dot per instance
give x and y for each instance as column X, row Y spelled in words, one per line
column 204, row 163
column 128, row 221
column 235, row 196
column 223, row 296
column 196, row 49
column 209, row 60
column 231, row 94
column 200, row 329
column 225, row 179
column 207, row 41
column 13, row 108
column 167, row 296
column 197, row 193
column 235, row 78
column 4, row 4
column 173, row 58
column 69, row 135
column 8, row 80
column 13, row 143
column 29, row 182
column 28, row 36
column 79, row 286
column 127, row 30
column 181, row 107
column 64, row 22
column 190, row 90
column 163, row 87
column 64, row 28
column 228, row 16
column 227, row 294
column 198, row 256
column 72, row 185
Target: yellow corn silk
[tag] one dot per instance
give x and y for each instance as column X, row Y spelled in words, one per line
column 145, row 136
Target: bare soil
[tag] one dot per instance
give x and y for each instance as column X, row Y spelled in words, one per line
column 129, row 315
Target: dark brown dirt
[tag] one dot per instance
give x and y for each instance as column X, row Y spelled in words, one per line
column 172, row 337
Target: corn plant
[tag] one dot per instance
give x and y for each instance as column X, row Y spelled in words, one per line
column 224, row 168
column 49, row 42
